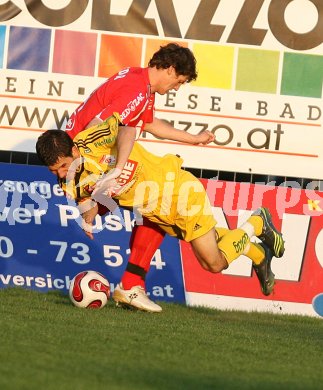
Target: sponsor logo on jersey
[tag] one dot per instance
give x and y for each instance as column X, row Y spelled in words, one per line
column 125, row 180
column 70, row 123
column 108, row 159
column 132, row 105
column 105, row 141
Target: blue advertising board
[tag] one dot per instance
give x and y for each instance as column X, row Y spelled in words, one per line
column 42, row 245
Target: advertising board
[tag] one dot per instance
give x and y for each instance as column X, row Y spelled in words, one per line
column 259, row 89
column 42, row 245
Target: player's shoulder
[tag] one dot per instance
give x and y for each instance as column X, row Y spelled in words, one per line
column 134, row 73
column 127, row 83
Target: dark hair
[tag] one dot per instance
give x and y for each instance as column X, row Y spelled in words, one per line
column 53, row 144
column 181, row 58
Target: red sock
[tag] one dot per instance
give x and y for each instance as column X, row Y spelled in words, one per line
column 145, row 240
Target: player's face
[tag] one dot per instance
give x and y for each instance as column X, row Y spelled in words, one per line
column 61, row 167
column 171, row 81
column 64, row 167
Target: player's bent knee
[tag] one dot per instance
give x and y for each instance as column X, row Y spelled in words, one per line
column 211, row 268
column 214, row 268
column 217, row 264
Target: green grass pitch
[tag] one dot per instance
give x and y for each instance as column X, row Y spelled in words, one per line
column 47, row 343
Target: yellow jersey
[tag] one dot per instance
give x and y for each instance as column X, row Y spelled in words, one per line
column 153, row 186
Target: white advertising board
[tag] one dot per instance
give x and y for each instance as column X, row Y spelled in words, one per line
column 260, row 78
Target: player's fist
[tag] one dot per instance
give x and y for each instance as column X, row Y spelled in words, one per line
column 204, row 137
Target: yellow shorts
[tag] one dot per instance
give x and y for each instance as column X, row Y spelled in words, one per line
column 190, row 214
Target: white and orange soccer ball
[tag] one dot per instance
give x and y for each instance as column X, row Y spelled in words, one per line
column 89, row 289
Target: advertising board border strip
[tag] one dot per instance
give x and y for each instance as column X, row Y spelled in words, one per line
column 26, row 158
column 222, row 302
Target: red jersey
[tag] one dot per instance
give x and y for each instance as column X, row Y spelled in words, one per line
column 127, row 93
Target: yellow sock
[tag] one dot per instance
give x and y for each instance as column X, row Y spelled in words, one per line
column 233, row 244
column 256, row 253
column 257, row 222
column 220, row 232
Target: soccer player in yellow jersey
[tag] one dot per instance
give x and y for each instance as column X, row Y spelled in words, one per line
column 160, row 191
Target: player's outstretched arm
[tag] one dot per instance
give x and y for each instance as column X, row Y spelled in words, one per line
column 162, row 129
column 125, row 141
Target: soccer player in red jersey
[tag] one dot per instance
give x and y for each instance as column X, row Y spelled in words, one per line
column 131, row 94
